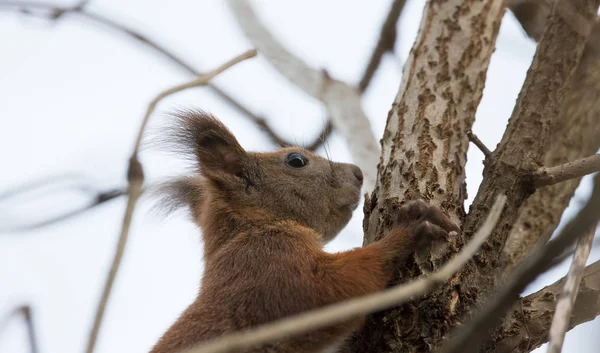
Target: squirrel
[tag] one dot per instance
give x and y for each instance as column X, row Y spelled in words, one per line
column 265, row 218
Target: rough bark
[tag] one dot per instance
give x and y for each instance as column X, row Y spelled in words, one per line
column 526, row 327
column 424, row 153
column 575, row 135
column 424, row 148
column 523, row 145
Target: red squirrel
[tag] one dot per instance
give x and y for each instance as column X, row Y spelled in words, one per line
column 265, row 218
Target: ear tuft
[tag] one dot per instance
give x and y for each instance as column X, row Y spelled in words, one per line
column 200, row 135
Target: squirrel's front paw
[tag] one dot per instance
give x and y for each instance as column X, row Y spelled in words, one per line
column 426, row 222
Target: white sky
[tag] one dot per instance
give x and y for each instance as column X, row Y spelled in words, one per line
column 74, row 94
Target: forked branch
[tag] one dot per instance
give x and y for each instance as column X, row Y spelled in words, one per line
column 469, row 336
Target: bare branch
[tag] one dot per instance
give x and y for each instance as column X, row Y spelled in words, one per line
column 46, row 186
column 56, row 11
column 469, row 336
column 526, row 328
column 477, row 142
column 564, row 307
column 342, row 101
column 135, row 177
column 387, row 40
column 25, row 311
column 323, row 317
column 200, row 81
column 552, row 175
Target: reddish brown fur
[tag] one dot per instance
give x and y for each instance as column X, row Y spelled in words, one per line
column 264, row 224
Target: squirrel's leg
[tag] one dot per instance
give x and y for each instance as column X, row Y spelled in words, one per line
column 365, row 270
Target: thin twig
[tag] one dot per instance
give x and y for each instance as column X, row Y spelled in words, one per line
column 342, row 101
column 387, row 35
column 576, row 169
column 76, row 182
column 25, row 311
column 202, row 80
column 135, row 177
column 477, row 142
column 56, row 11
column 469, row 336
column 332, row 314
column 72, row 182
column 564, row 307
column 387, row 40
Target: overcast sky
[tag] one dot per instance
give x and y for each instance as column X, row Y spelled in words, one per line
column 73, row 96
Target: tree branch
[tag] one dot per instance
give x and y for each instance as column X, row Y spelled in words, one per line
column 526, row 138
column 135, row 177
column 25, row 311
column 575, row 135
column 56, row 11
column 518, row 155
column 342, row 101
column 387, row 40
column 336, row 313
column 470, row 335
column 526, row 327
column 477, row 142
column 72, row 183
column 552, row 175
column 564, row 307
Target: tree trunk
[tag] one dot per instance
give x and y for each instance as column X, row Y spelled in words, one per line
column 424, row 153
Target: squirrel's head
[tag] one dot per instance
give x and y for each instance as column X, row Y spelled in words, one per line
column 289, row 184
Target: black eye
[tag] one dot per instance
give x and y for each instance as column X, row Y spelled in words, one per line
column 296, row 160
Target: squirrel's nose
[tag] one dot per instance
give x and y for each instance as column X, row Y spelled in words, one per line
column 358, row 174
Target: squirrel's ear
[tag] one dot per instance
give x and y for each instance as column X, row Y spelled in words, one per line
column 211, row 143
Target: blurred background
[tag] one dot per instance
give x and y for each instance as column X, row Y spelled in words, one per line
column 74, row 93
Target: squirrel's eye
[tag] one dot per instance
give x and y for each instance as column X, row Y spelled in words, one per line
column 296, row 160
